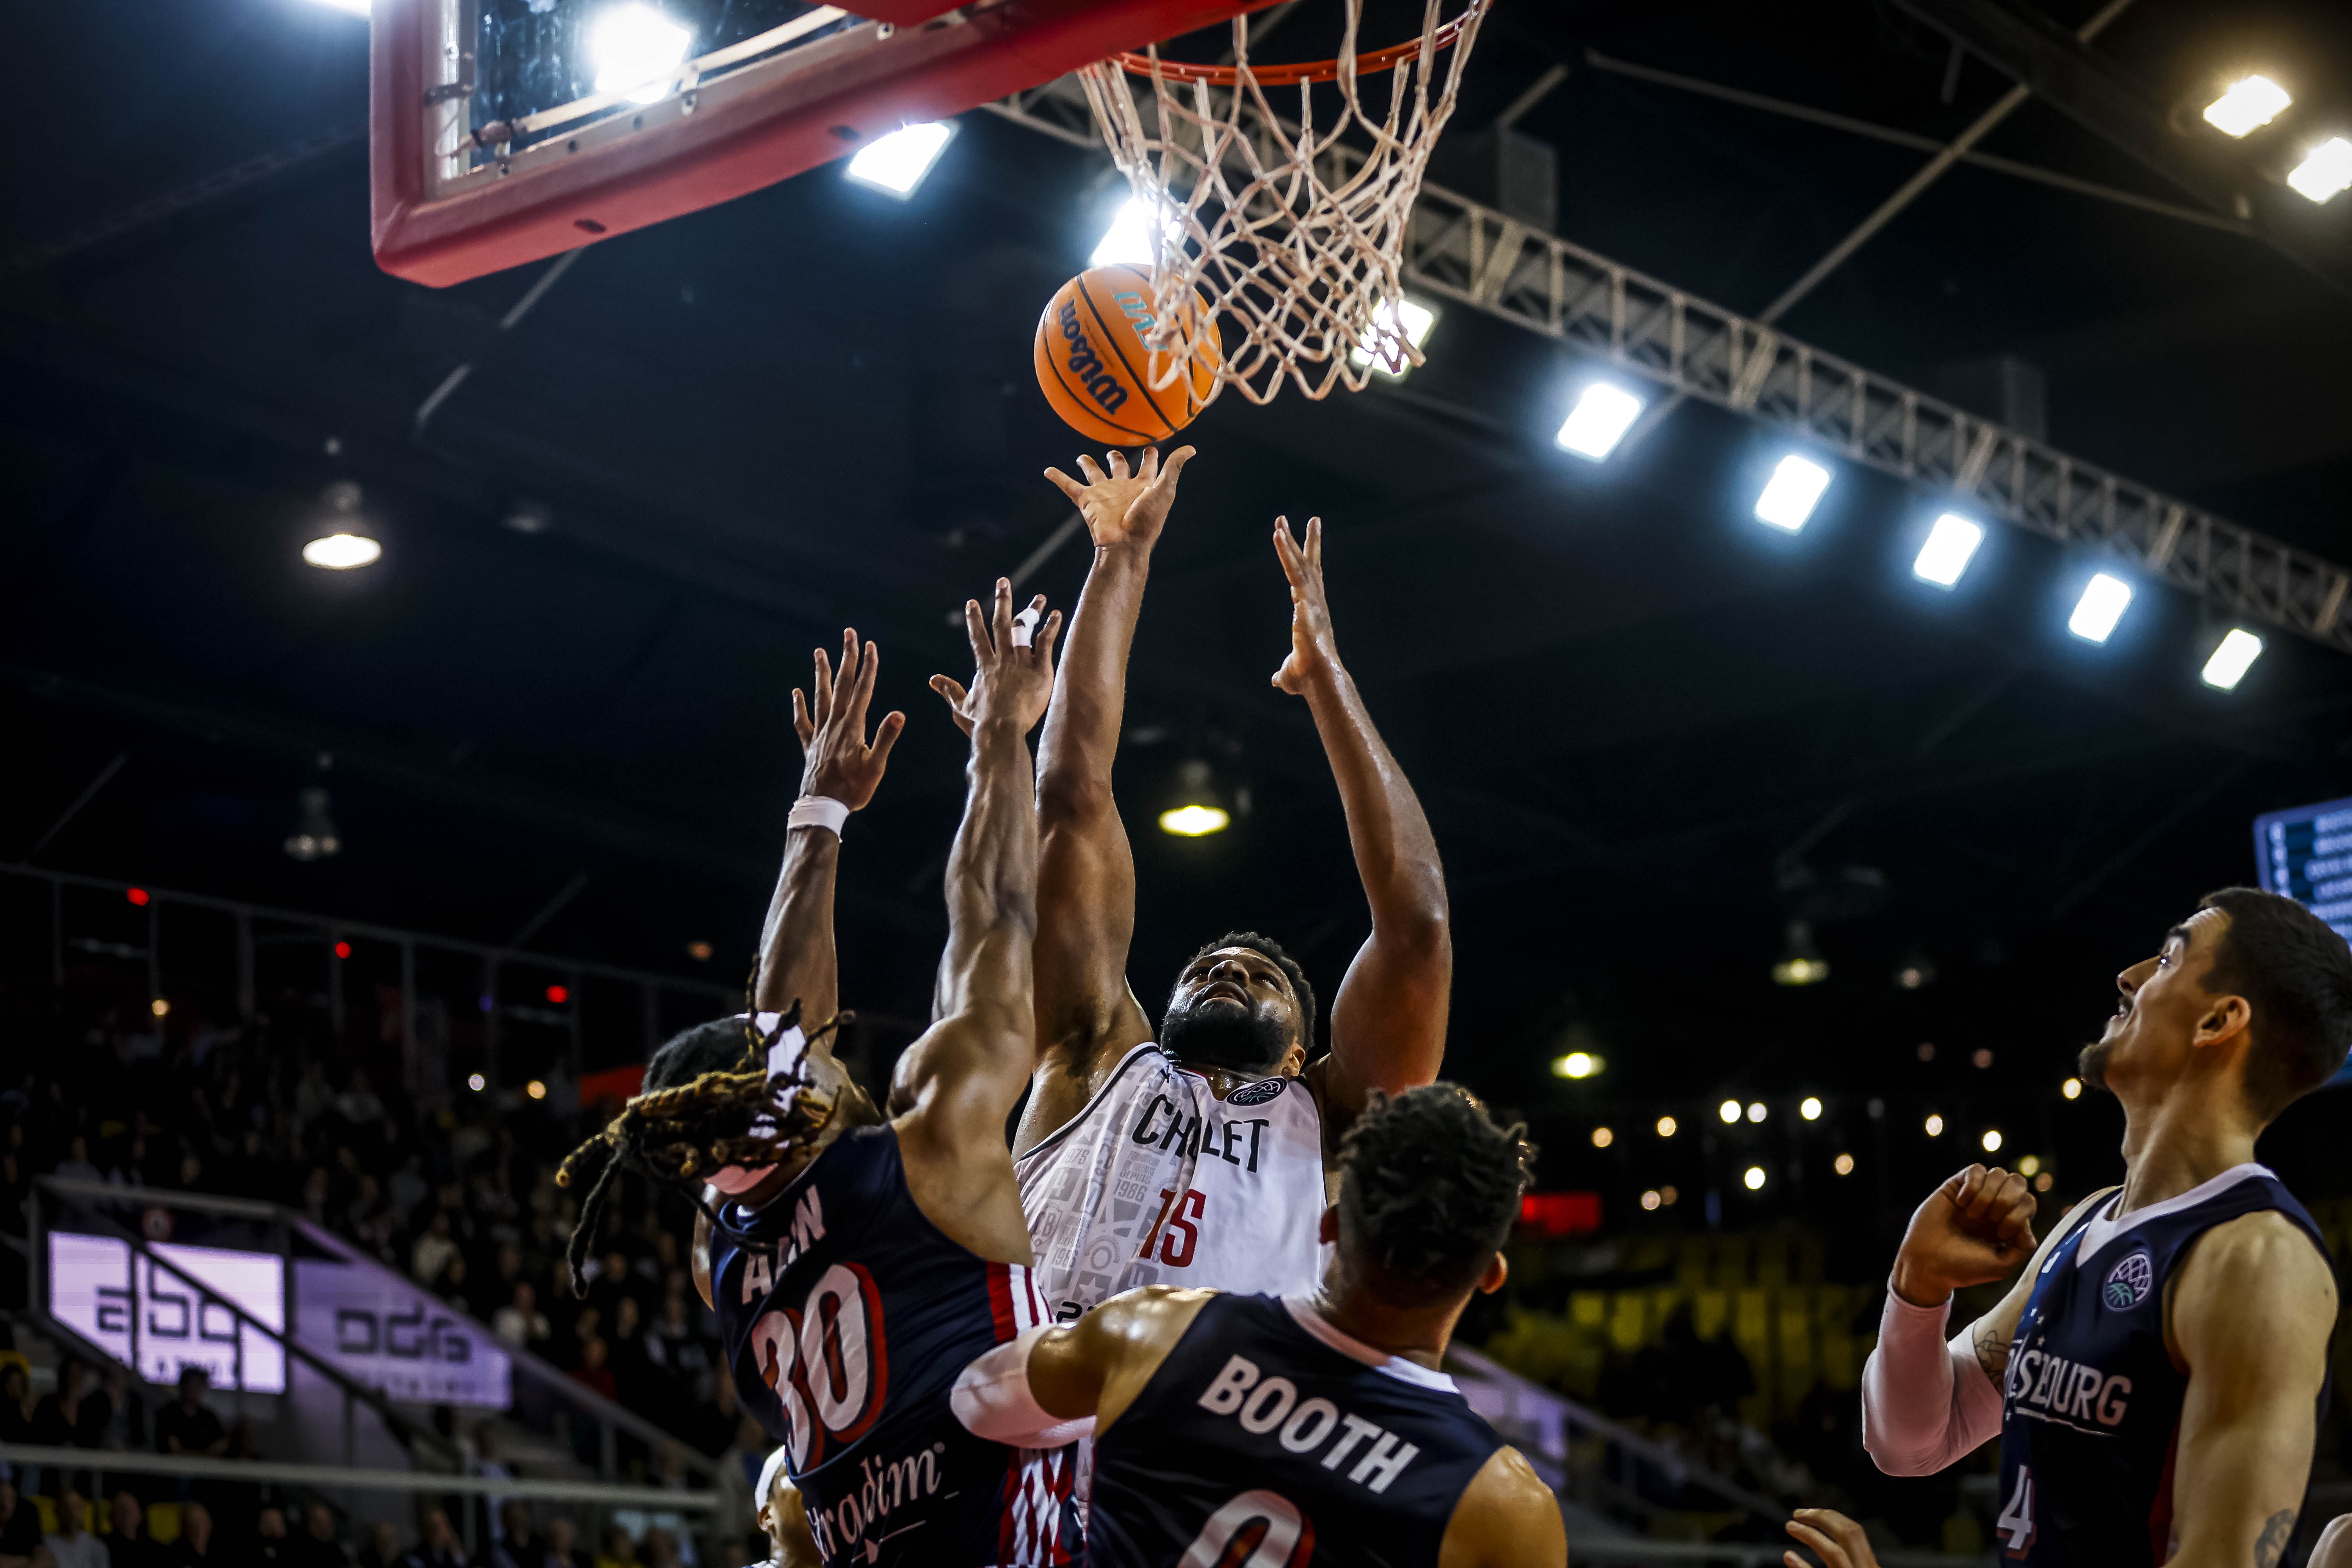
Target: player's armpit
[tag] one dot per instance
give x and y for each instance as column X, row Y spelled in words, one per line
column 1506, row 1517
column 2249, row 1317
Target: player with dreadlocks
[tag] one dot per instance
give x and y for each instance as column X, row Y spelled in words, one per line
column 857, row 1256
column 1284, row 1428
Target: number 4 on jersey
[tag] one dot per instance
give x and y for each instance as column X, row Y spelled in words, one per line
column 2016, row 1519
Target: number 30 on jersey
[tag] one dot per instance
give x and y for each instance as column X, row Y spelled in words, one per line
column 826, row 1361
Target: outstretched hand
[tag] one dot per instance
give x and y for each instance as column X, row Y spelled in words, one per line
column 1008, row 680
column 1839, row 1540
column 1314, row 653
column 1975, row 1228
column 1120, row 507
column 837, row 762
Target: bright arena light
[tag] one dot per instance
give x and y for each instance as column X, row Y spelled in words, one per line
column 161, row 1007
column 1842, row 1164
column 1129, row 237
column 2100, row 607
column 2254, row 101
column 1756, row 1111
column 1666, row 1126
column 1992, row 1141
column 356, row 7
column 2233, row 658
column 1409, row 317
column 1577, row 1064
column 2028, row 1166
column 1728, row 1110
column 1951, row 544
column 1811, row 1109
column 1599, row 421
column 2071, row 1089
column 535, row 1088
column 1602, row 1137
column 637, row 49
column 1791, row 493
column 1935, row 1125
column 477, row 1082
column 1754, row 1179
column 1194, row 821
column 341, row 551
column 2325, row 170
column 1650, row 1199
column 896, row 164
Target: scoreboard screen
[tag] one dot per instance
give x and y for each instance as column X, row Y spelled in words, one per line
column 2305, row 853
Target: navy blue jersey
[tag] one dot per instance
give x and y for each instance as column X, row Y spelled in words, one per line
column 2091, row 1408
column 1266, row 1425
column 845, row 1315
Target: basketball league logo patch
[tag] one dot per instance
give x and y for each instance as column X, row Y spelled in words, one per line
column 2128, row 1283
column 1257, row 1093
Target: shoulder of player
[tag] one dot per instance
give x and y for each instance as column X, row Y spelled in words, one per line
column 1153, row 1317
column 1505, row 1518
column 2263, row 1248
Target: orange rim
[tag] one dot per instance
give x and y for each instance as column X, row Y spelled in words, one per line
column 1286, row 76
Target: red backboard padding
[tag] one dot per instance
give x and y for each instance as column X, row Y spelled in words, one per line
column 905, row 12
column 727, row 149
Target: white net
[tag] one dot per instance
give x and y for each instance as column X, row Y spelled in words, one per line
column 1289, row 222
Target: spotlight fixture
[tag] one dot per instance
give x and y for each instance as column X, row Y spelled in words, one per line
column 1842, row 1164
column 1728, row 1110
column 1195, row 809
column 1811, row 1107
column 477, row 1082
column 2100, row 607
column 536, row 1090
column 2071, row 1089
column 1754, row 1179
column 1935, row 1125
column 160, row 1007
column 1666, row 1126
column 1129, row 237
column 1791, row 495
column 1801, row 963
column 1408, row 319
column 2325, row 171
column 1992, row 1141
column 1602, row 1137
column 1577, row 1064
column 2230, row 661
column 895, row 164
column 1650, row 1200
column 2029, row 1164
column 314, row 837
column 1755, row 1112
column 1602, row 415
column 356, row 7
column 1951, row 544
column 344, row 543
column 2248, row 103
column 637, row 50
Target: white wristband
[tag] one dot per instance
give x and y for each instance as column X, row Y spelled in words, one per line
column 818, row 811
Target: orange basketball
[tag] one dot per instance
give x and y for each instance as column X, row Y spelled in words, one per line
column 1097, row 370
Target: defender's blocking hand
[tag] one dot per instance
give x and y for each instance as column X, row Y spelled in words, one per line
column 837, row 761
column 1119, row 508
column 1008, row 681
column 1975, row 1228
column 1314, row 652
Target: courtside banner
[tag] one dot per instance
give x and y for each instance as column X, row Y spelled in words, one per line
column 385, row 1333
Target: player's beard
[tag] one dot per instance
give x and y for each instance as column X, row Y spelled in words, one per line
column 1222, row 1034
column 2092, row 1063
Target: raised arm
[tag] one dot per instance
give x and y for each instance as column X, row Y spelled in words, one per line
column 1388, row 1024
column 2256, row 1359
column 797, row 962
column 955, row 1085
column 1085, row 871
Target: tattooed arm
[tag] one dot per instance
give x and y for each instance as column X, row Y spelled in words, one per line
column 2255, row 1360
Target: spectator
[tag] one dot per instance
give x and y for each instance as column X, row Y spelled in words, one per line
column 520, row 1322
column 487, row 1510
column 438, row 1547
column 193, row 1549
column 518, row 1545
column 382, row 1548
column 620, row 1550
column 433, row 1250
column 736, row 1475
column 318, row 1546
column 187, row 1426
column 661, row 1549
column 563, row 1546
column 70, row 1545
column 20, row 1528
column 128, row 1544
column 15, row 1403
column 593, row 1372
column 269, row 1543
column 77, row 1166
column 57, row 1419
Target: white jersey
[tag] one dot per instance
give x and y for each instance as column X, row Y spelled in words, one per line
column 1157, row 1181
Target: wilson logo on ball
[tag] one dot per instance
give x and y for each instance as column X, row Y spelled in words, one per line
column 1087, row 365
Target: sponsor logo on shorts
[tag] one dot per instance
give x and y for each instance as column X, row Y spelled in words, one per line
column 2128, row 1283
column 1086, row 364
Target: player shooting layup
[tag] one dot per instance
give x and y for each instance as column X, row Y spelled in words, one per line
column 858, row 1262
column 1201, row 1158
column 1286, row 1428
column 2155, row 1377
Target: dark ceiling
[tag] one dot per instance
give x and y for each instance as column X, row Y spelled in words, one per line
column 1647, row 733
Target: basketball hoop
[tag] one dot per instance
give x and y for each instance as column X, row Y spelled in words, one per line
column 1290, row 229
